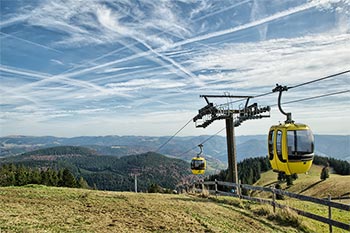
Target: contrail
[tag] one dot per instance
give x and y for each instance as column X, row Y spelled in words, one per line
column 248, row 25
column 31, row 42
column 45, row 78
column 174, row 63
column 200, row 38
column 220, row 11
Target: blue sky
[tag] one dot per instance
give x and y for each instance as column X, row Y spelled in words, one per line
column 124, row 67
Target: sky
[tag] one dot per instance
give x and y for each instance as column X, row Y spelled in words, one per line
column 138, row 67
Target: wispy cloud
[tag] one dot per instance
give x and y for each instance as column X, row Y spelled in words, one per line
column 57, row 61
column 272, row 61
column 80, row 63
column 13, row 20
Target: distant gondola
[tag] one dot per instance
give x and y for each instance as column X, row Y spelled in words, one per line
column 290, row 145
column 198, row 164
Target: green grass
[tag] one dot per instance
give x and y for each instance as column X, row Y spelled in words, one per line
column 311, row 185
column 49, row 209
column 37, row 208
column 338, row 215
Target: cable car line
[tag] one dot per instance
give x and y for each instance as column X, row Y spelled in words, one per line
column 174, row 135
column 319, row 79
column 313, row 97
column 295, row 86
column 203, row 142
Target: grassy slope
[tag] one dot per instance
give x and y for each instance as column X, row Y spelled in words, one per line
column 311, row 185
column 49, row 209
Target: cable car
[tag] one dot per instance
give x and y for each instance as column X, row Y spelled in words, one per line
column 291, row 148
column 290, row 145
column 198, row 164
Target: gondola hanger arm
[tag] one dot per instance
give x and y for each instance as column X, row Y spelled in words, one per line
column 201, row 150
column 280, row 89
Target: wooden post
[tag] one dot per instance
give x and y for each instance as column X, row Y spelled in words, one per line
column 330, row 214
column 135, row 183
column 216, row 188
column 239, row 189
column 274, row 200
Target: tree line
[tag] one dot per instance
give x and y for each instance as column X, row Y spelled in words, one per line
column 340, row 167
column 19, row 175
column 249, row 170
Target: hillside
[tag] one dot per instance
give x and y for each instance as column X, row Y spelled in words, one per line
column 215, row 150
column 36, row 209
column 310, row 184
column 109, row 172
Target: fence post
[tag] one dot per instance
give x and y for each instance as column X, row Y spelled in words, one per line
column 239, row 189
column 330, row 214
column 216, row 188
column 273, row 199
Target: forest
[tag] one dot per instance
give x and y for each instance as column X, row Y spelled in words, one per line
column 107, row 172
column 19, row 175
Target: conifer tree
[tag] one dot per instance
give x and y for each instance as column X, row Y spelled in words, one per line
column 35, row 176
column 68, row 179
column 52, row 177
column 325, row 173
column 21, row 176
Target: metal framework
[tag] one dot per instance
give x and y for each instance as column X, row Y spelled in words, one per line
column 234, row 118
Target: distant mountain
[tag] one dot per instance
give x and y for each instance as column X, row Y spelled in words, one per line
column 251, row 148
column 180, row 147
column 333, row 146
column 61, row 151
column 108, row 172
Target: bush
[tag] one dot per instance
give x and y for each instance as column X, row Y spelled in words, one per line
column 325, row 173
column 263, row 211
column 154, row 188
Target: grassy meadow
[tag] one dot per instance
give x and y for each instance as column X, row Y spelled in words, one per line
column 310, row 185
column 37, row 208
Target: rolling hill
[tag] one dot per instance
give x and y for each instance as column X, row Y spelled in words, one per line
column 109, row 172
column 310, row 184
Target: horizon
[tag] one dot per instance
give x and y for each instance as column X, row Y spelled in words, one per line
column 203, row 135
column 99, row 67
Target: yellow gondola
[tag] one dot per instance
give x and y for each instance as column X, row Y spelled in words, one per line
column 290, row 145
column 291, row 148
column 198, row 164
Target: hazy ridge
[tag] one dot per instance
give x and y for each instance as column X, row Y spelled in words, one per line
column 336, row 146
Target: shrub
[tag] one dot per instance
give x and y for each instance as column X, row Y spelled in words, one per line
column 324, row 173
column 263, row 211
